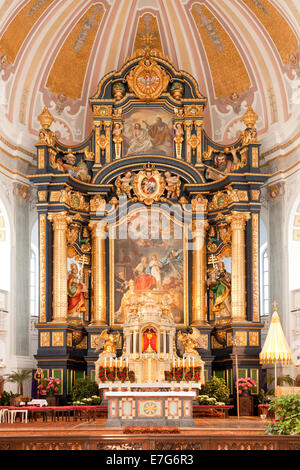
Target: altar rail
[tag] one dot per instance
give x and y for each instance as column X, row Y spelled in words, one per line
column 151, row 442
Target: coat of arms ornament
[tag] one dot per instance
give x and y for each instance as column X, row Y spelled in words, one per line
column 148, row 80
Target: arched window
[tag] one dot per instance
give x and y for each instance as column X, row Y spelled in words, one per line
column 5, row 248
column 265, row 290
column 264, row 271
column 34, row 278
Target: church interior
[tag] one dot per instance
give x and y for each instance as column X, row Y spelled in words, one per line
column 149, row 223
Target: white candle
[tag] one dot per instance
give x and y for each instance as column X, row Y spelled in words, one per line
column 110, row 362
column 189, row 361
column 193, row 362
column 105, row 363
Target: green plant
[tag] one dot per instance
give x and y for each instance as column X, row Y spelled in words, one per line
column 19, row 378
column 6, row 396
column 286, row 379
column 216, row 388
column 265, row 397
column 84, row 388
column 287, row 415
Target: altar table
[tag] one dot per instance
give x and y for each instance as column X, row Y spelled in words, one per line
column 150, row 408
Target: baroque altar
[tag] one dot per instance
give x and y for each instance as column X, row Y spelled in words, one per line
column 148, row 238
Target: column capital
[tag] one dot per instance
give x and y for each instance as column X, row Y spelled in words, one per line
column 98, row 228
column 199, row 226
column 238, row 219
column 60, row 220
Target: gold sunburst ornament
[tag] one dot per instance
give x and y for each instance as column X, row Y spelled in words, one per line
column 148, row 80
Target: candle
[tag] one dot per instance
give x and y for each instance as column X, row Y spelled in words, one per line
column 193, row 362
column 105, row 363
column 110, row 362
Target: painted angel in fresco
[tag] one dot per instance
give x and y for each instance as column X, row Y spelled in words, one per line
column 219, row 282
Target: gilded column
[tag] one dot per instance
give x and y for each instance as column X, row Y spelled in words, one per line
column 238, row 269
column 198, row 127
column 60, row 222
column 188, row 132
column 43, row 267
column 107, row 127
column 98, row 272
column 199, row 307
column 255, row 267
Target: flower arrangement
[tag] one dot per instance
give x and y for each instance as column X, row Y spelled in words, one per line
column 90, row 401
column 245, row 385
column 49, row 386
column 206, row 400
column 177, row 374
column 116, row 374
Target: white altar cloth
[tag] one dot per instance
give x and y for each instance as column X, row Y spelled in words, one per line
column 150, row 394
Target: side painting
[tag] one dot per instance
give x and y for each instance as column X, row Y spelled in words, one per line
column 154, row 267
column 148, row 132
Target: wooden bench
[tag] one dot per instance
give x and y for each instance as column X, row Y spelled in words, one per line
column 211, row 410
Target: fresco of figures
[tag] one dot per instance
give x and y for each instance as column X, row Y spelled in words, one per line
column 153, row 263
column 148, row 132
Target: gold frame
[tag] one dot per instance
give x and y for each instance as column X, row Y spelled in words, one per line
column 185, row 267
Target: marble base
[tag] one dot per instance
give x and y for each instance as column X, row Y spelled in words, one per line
column 150, row 409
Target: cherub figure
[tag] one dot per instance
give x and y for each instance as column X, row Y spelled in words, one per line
column 111, row 341
column 172, row 185
column 124, row 184
column 190, row 340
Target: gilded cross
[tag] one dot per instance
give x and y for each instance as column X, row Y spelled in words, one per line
column 212, row 259
column 275, row 305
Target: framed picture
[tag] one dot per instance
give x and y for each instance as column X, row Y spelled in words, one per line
column 148, row 131
column 151, row 262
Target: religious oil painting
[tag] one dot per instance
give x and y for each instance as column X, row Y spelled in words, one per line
column 148, row 131
column 150, row 263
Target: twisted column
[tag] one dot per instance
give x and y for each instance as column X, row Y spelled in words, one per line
column 98, row 272
column 60, row 222
column 238, row 221
column 199, row 307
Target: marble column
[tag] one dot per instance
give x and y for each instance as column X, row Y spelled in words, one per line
column 199, row 307
column 238, row 221
column 60, row 221
column 98, row 235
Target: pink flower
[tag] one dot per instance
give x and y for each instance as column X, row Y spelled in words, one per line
column 56, row 389
column 48, row 386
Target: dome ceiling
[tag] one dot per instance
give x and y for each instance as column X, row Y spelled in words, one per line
column 241, row 52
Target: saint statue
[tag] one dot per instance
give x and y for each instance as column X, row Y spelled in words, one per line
column 76, row 290
column 219, row 282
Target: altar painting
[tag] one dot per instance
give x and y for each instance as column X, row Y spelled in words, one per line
column 148, row 131
column 149, row 267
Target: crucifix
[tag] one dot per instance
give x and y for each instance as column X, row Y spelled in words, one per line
column 275, row 305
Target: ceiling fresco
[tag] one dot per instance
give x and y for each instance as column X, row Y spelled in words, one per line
column 241, row 52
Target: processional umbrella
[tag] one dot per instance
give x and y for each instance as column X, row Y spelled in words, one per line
column 276, row 349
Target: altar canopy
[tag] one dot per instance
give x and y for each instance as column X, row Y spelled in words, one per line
column 144, row 232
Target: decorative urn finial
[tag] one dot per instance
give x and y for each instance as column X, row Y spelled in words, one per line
column 249, row 118
column 46, row 118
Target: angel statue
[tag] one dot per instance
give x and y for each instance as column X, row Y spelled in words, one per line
column 190, row 340
column 111, row 340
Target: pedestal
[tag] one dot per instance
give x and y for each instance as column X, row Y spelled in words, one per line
column 150, row 409
column 246, row 405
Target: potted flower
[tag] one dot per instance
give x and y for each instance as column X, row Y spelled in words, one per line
column 49, row 387
column 245, row 385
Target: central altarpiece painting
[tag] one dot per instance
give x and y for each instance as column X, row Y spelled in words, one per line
column 148, row 235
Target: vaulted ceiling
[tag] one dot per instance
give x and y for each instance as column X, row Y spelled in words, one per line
column 241, row 52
